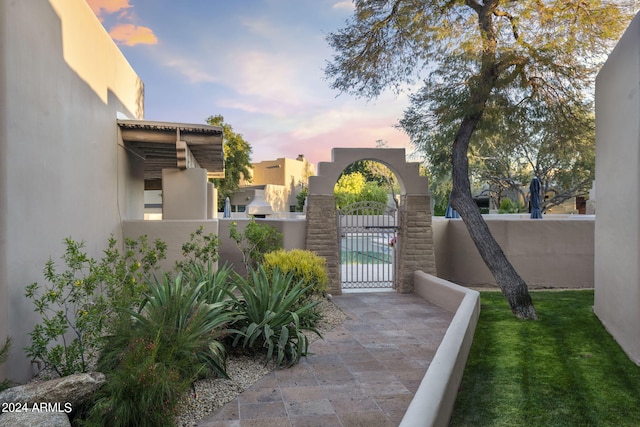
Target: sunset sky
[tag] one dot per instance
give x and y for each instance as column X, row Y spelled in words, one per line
column 259, row 63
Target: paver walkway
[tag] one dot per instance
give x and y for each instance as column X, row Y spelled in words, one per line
column 364, row 373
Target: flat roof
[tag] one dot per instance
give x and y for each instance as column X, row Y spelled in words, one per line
column 174, row 145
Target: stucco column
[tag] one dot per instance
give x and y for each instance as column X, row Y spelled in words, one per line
column 415, row 240
column 184, row 194
column 322, row 235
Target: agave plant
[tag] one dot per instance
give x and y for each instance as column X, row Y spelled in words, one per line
column 217, row 285
column 270, row 316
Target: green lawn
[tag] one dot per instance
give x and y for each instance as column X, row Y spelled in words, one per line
column 562, row 370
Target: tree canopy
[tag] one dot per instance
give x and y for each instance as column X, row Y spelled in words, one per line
column 237, row 160
column 353, row 187
column 478, row 68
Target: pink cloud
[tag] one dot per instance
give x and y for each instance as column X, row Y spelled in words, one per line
column 101, row 7
column 131, row 35
column 317, row 148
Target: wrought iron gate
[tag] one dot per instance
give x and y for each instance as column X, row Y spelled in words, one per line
column 367, row 237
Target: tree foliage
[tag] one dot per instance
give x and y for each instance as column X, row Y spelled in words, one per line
column 375, row 173
column 483, row 65
column 237, row 160
column 353, row 187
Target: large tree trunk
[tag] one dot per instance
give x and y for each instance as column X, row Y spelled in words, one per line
column 512, row 285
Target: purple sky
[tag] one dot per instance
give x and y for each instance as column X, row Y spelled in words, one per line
column 259, row 63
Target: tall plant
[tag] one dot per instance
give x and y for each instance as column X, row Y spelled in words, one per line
column 174, row 338
column 270, row 318
column 4, row 355
column 255, row 241
column 79, row 303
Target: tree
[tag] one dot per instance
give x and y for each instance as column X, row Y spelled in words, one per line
column 353, row 187
column 376, row 173
column 514, row 150
column 237, row 160
column 482, row 59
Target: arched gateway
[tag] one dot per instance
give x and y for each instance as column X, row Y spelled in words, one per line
column 414, row 243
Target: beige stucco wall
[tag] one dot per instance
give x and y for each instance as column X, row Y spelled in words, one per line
column 283, row 179
column 617, row 231
column 174, row 233
column 555, row 253
column 62, row 83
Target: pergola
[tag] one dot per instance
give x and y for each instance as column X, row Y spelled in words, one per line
column 165, row 145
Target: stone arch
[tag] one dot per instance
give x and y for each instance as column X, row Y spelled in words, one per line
column 415, row 237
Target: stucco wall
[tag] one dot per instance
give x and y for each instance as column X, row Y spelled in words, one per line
column 617, row 270
column 293, row 237
column 63, row 81
column 555, row 253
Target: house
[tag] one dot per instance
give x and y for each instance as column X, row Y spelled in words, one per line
column 276, row 183
column 76, row 154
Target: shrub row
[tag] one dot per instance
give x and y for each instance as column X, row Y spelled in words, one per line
column 154, row 333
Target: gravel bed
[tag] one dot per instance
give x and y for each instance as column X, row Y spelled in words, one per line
column 209, row 395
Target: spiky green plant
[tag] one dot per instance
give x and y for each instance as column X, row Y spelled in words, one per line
column 157, row 351
column 270, row 317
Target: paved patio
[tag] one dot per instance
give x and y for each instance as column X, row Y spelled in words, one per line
column 364, row 373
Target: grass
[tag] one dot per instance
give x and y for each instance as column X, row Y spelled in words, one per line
column 562, row 370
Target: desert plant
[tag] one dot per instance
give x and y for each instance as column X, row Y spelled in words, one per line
column 78, row 304
column 189, row 329
column 4, row 355
column 142, row 390
column 269, row 318
column 201, row 249
column 305, row 266
column 157, row 351
column 255, row 241
column 217, row 285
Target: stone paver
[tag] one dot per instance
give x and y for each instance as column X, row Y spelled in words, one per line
column 364, row 373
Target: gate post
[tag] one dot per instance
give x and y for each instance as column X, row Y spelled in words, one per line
column 415, row 240
column 322, row 235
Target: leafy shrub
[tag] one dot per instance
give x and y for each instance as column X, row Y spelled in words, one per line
column 509, row 206
column 187, row 327
column 303, row 265
column 255, row 241
column 4, row 355
column 216, row 285
column 142, row 391
column 78, row 304
column 201, row 249
column 269, row 318
column 152, row 358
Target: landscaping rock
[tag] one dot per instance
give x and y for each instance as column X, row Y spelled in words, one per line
column 72, row 389
column 34, row 419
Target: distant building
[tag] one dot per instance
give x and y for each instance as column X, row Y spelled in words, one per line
column 276, row 182
column 76, row 155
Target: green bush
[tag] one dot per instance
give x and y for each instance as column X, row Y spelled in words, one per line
column 255, row 241
column 152, row 358
column 303, row 265
column 189, row 329
column 142, row 391
column 83, row 299
column 270, row 318
column 201, row 249
column 509, row 206
column 4, row 355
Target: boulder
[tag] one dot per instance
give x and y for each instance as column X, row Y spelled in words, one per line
column 73, row 389
column 34, row 419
